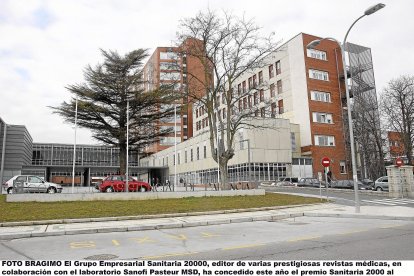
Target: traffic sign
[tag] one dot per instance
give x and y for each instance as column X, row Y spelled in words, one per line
column 399, row 162
column 326, row 162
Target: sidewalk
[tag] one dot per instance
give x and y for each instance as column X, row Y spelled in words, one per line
column 15, row 230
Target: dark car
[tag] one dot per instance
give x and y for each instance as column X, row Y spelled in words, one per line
column 117, row 183
column 309, row 182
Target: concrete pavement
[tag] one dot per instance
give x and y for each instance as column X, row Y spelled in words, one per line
column 15, row 230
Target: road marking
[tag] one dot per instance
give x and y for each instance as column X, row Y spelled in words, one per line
column 354, row 231
column 243, row 246
column 391, row 226
column 378, row 202
column 304, row 238
column 83, row 244
column 209, row 235
column 178, row 237
column 115, row 242
column 168, row 255
column 142, row 240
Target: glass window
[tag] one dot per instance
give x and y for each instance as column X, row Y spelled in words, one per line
column 262, row 112
column 278, row 68
column 319, row 117
column 293, row 141
column 279, row 87
column 342, row 167
column 171, row 76
column 255, row 98
column 312, row 53
column 261, row 95
column 318, row 75
column 272, row 90
column 169, row 66
column 280, row 105
column 321, row 96
column 271, row 73
column 168, row 55
column 260, row 77
column 323, row 140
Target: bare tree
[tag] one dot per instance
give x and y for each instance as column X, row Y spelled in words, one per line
column 226, row 48
column 368, row 134
column 397, row 106
column 102, row 103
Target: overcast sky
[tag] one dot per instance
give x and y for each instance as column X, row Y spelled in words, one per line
column 45, row 44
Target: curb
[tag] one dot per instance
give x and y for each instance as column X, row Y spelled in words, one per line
column 150, row 227
column 362, row 216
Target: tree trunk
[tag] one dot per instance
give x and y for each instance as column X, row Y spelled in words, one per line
column 223, row 173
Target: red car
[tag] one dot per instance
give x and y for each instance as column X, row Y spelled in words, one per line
column 116, row 183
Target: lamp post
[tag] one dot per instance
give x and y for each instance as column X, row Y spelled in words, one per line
column 315, row 43
column 74, row 145
column 127, row 148
column 175, row 148
column 3, row 152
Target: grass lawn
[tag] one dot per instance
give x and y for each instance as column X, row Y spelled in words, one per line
column 24, row 211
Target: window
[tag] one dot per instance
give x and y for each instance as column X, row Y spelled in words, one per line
column 169, row 66
column 178, row 158
column 185, row 156
column 321, row 96
column 239, row 89
column 278, row 68
column 272, row 90
column 293, row 141
column 250, row 83
column 319, row 117
column 260, row 77
column 197, row 113
column 244, row 86
column 256, row 113
column 240, row 105
column 205, row 152
column 172, row 76
column 224, row 113
column 261, row 95
column 271, row 73
column 262, row 112
column 280, row 104
column 255, row 98
column 173, row 159
column 342, row 167
column 254, row 81
column 168, row 55
column 323, row 140
column 250, row 101
column 318, row 75
column 198, row 153
column 273, row 110
column 223, row 99
column 191, row 155
column 279, row 87
column 312, row 53
column 244, row 102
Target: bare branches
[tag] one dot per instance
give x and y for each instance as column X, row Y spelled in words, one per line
column 225, row 48
column 397, row 106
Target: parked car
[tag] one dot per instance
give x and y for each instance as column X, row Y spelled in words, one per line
column 347, row 184
column 309, row 182
column 116, row 183
column 32, row 184
column 381, row 184
column 287, row 181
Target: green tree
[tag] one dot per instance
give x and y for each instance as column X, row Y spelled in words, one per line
column 103, row 99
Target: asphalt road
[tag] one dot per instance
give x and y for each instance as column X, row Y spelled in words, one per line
column 300, row 238
column 347, row 197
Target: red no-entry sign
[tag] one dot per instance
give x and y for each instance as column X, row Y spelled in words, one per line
column 399, row 162
column 326, row 162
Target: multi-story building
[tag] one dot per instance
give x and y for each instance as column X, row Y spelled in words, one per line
column 306, row 87
column 168, row 66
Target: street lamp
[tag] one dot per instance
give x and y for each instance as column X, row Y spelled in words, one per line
column 74, row 145
column 315, row 43
column 3, row 152
column 127, row 148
